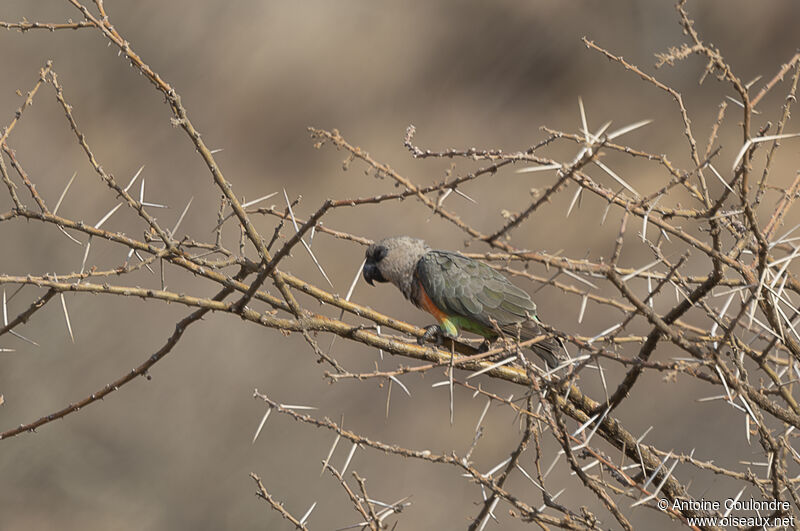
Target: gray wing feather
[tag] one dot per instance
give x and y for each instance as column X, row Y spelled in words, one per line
column 462, row 286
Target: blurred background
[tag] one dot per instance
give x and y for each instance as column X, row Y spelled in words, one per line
column 175, row 452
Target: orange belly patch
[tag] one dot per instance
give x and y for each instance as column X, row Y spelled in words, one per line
column 427, row 304
column 446, row 323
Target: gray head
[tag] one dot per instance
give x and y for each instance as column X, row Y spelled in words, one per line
column 394, row 260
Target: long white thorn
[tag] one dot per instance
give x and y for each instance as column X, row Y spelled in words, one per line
column 64, row 193
column 585, row 127
column 492, row 366
column 349, row 457
column 574, row 200
column 133, row 180
column 86, row 254
column 616, row 177
column 108, row 215
column 308, row 513
column 640, row 270
column 183, row 214
column 628, row 129
column 398, row 382
column 262, row 198
column 757, row 140
column 12, row 332
column 261, row 424
column 66, row 313
column 545, row 167
column 297, row 230
column 718, row 176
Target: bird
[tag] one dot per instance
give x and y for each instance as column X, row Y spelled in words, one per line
column 460, row 292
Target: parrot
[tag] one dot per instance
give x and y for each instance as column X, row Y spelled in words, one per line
column 460, row 292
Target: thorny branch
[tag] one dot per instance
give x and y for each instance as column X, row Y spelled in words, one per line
column 734, row 321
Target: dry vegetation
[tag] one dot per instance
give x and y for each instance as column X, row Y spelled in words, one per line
column 715, row 303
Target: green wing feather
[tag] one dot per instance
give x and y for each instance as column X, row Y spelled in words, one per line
column 475, row 295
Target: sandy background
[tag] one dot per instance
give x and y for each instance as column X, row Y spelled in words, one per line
column 175, row 452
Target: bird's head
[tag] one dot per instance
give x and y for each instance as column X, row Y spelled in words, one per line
column 375, row 255
column 393, row 260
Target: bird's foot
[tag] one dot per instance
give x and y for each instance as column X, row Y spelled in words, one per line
column 431, row 332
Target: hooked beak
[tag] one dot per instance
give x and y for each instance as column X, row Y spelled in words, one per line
column 372, row 273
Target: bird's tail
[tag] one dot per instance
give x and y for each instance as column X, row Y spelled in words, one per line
column 551, row 350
